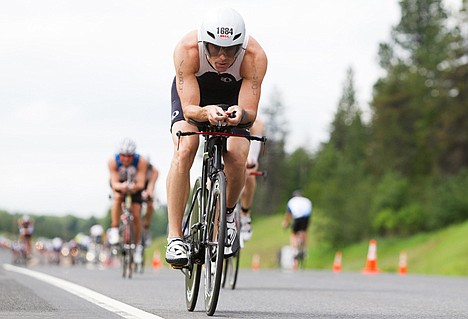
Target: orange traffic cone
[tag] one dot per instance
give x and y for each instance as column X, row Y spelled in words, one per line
column 402, row 264
column 371, row 263
column 256, row 262
column 156, row 262
column 337, row 262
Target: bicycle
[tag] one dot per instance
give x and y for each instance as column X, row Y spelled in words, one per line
column 231, row 264
column 126, row 235
column 205, row 227
column 299, row 257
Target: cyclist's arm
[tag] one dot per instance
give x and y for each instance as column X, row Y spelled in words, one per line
column 152, row 181
column 186, row 66
column 287, row 218
column 114, row 176
column 140, row 176
column 253, row 70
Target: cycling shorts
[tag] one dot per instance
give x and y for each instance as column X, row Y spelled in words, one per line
column 300, row 224
column 136, row 198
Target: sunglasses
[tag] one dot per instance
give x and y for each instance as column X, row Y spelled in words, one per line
column 216, row 50
column 126, row 155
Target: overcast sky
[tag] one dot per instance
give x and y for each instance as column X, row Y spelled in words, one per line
column 78, row 76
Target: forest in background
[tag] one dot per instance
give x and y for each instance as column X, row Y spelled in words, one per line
column 403, row 171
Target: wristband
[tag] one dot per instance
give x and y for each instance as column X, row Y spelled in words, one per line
column 243, row 116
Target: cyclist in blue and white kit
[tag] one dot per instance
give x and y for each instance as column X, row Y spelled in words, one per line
column 217, row 64
column 125, row 166
column 298, row 210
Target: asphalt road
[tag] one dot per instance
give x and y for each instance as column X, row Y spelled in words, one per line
column 91, row 292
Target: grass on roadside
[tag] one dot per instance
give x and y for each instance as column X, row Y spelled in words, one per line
column 444, row 252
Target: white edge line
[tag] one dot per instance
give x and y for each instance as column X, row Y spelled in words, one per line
column 105, row 302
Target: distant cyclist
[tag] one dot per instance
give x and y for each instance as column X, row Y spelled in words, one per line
column 217, row 64
column 26, row 230
column 126, row 166
column 96, row 231
column 298, row 211
column 248, row 192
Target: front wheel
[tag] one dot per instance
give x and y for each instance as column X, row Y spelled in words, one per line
column 214, row 250
column 127, row 248
column 193, row 240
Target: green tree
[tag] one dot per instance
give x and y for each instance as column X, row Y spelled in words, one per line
column 339, row 179
column 270, row 194
column 407, row 102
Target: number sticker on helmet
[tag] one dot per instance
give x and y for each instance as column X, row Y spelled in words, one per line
column 225, row 32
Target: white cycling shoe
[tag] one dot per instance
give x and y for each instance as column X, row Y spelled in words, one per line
column 176, row 252
column 232, row 244
column 246, row 228
column 113, row 236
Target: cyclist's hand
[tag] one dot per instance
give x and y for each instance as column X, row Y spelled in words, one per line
column 132, row 188
column 121, row 187
column 215, row 114
column 235, row 114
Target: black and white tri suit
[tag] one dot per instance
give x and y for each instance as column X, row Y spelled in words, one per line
column 215, row 87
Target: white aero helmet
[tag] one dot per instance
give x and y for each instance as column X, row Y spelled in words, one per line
column 127, row 146
column 223, row 28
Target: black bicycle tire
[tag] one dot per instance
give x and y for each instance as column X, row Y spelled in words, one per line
column 124, row 251
column 193, row 273
column 212, row 287
column 235, row 270
column 131, row 249
column 227, row 261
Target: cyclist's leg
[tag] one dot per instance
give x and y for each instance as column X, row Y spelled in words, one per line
column 148, row 214
column 178, row 190
column 178, row 178
column 249, row 190
column 116, row 209
column 234, row 168
column 136, row 212
column 246, row 203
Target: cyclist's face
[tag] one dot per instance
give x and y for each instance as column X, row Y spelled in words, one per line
column 126, row 159
column 221, row 57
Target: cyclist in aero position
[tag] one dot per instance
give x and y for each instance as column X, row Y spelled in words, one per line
column 126, row 165
column 26, row 229
column 248, row 192
column 298, row 210
column 217, row 64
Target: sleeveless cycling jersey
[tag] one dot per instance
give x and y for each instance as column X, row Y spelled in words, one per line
column 218, row 87
column 127, row 173
column 299, row 207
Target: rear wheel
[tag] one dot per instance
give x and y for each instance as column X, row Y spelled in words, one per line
column 214, row 250
column 231, row 269
column 193, row 239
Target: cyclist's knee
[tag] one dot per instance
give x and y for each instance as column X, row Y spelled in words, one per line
column 118, row 197
column 184, row 157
